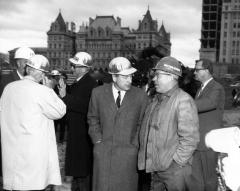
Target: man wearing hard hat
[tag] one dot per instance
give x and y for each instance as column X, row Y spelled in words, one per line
column 114, row 117
column 169, row 131
column 27, row 110
column 79, row 148
column 22, row 56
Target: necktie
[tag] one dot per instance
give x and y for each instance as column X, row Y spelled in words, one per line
column 118, row 100
column 200, row 91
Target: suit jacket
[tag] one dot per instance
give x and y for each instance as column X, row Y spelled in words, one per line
column 115, row 158
column 79, row 148
column 210, row 104
column 6, row 79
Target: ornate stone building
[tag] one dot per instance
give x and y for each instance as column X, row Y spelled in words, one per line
column 104, row 38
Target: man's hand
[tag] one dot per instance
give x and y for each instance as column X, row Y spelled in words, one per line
column 62, row 88
column 47, row 82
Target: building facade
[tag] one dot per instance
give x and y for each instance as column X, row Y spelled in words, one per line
column 230, row 32
column 211, row 29
column 104, row 38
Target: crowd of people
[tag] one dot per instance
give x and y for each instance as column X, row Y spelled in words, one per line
column 116, row 131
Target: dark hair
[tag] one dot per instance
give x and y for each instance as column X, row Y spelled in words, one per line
column 206, row 64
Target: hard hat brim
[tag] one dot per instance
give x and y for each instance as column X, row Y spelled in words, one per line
column 37, row 68
column 125, row 72
column 78, row 63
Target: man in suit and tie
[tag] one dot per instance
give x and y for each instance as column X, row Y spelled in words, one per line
column 78, row 163
column 115, row 114
column 210, row 100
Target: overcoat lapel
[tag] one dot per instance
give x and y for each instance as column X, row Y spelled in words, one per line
column 110, row 98
column 127, row 99
column 209, row 85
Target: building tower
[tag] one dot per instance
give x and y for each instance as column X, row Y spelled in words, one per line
column 148, row 35
column 61, row 43
column 210, row 32
column 230, row 32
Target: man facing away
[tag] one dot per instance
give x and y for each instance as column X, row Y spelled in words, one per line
column 79, row 147
column 169, row 131
column 114, row 117
column 27, row 110
column 210, row 101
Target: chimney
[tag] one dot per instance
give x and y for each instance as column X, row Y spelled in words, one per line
column 73, row 27
column 119, row 21
column 67, row 26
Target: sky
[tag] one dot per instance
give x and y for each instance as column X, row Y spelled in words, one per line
column 25, row 22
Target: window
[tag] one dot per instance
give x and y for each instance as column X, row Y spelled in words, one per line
column 225, row 25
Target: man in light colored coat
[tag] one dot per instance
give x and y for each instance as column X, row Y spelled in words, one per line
column 27, row 111
column 114, row 117
column 169, row 131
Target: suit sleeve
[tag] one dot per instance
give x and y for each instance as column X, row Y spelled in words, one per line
column 52, row 106
column 209, row 101
column 94, row 118
column 188, row 130
column 145, row 100
column 79, row 102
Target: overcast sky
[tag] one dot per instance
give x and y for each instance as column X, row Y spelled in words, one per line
column 25, row 22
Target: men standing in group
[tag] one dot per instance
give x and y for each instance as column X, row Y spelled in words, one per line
column 210, row 100
column 114, row 117
column 29, row 149
column 169, row 131
column 79, row 147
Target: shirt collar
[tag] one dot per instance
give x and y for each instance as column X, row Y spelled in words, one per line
column 206, row 82
column 168, row 93
column 20, row 76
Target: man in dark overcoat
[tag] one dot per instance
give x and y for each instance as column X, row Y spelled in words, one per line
column 79, row 147
column 115, row 114
column 210, row 100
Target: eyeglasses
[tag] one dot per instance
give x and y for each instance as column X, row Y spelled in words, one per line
column 75, row 66
column 198, row 69
column 157, row 74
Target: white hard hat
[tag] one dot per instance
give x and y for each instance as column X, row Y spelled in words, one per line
column 82, row 59
column 39, row 62
column 55, row 73
column 24, row 52
column 121, row 65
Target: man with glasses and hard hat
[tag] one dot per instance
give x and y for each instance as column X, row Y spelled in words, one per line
column 79, row 147
column 210, row 100
column 169, row 131
column 27, row 111
column 114, row 117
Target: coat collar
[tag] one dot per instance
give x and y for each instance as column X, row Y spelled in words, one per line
column 125, row 102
